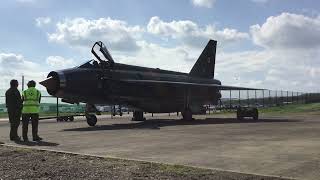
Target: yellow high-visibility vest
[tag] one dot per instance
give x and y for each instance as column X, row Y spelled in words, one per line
column 31, row 103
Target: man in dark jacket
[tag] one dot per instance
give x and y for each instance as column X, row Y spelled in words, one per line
column 14, row 107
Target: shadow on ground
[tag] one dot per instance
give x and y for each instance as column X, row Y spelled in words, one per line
column 158, row 123
column 36, row 143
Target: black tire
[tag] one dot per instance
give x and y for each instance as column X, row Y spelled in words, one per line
column 91, row 119
column 66, row 118
column 187, row 115
column 138, row 116
column 71, row 118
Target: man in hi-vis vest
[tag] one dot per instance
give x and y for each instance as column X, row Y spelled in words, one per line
column 30, row 111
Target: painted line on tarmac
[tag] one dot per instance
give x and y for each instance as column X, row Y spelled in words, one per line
column 137, row 160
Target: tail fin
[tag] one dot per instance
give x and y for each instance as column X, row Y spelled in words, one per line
column 204, row 67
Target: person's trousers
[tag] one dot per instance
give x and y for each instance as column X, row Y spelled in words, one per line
column 34, row 118
column 14, row 119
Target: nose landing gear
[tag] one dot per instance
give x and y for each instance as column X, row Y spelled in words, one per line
column 187, row 114
column 138, row 116
column 91, row 119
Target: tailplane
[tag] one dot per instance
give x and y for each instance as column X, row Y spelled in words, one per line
column 204, row 67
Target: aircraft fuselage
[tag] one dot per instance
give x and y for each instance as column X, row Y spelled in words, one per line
column 96, row 85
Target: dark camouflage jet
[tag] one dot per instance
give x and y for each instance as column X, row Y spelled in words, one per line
column 103, row 81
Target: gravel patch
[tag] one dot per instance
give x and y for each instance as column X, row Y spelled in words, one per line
column 26, row 163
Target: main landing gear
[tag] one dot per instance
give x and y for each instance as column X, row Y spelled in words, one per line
column 138, row 116
column 187, row 114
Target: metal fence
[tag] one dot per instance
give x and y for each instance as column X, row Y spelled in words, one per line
column 49, row 107
column 231, row 99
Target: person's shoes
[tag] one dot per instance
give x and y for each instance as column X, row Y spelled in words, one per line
column 25, row 139
column 37, row 139
column 15, row 139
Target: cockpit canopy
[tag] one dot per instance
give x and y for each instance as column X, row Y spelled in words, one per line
column 100, row 51
column 102, row 55
column 90, row 64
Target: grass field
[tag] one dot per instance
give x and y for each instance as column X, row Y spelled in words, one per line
column 292, row 108
column 44, row 114
column 313, row 108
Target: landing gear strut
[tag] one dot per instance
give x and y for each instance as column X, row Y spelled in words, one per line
column 187, row 114
column 138, row 116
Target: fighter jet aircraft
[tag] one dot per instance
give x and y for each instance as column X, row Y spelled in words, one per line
column 103, row 81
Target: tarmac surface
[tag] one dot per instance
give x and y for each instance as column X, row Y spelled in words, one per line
column 276, row 146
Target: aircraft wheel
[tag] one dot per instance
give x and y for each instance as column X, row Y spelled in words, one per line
column 138, row 116
column 187, row 115
column 71, row 118
column 91, row 119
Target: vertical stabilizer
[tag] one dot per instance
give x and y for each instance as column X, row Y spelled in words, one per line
column 204, row 67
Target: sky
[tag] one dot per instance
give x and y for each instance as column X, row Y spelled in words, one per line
column 271, row 44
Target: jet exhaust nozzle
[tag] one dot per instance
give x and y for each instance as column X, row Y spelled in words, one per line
column 54, row 82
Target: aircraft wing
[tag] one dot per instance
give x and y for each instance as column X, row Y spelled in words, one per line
column 219, row 87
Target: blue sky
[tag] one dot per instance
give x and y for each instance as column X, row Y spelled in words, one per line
column 262, row 43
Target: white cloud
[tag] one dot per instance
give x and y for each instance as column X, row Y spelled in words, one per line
column 59, row 62
column 260, row 1
column 13, row 66
column 157, row 56
column 191, row 34
column 41, row 21
column 81, row 32
column 280, row 65
column 291, row 56
column 287, row 31
column 282, row 69
column 26, row 1
column 203, row 3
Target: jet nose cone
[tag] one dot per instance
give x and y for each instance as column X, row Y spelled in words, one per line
column 50, row 83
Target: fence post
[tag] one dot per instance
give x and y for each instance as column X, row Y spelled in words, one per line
column 262, row 98
column 239, row 99
column 281, row 98
column 276, row 97
column 230, row 101
column 255, row 97
column 248, row 97
column 287, row 97
column 269, row 97
column 57, row 107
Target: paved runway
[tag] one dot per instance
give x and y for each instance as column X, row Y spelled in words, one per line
column 272, row 146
